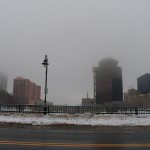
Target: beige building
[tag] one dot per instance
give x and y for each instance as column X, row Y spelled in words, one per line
column 135, row 98
column 141, row 99
column 129, row 94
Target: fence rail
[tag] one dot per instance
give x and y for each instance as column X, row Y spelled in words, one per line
column 74, row 109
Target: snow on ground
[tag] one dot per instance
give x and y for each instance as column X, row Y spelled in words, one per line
column 76, row 119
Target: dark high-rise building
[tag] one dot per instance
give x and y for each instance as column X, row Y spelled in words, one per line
column 108, row 81
column 3, row 82
column 143, row 83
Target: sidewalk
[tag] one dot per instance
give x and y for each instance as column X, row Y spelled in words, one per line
column 76, row 119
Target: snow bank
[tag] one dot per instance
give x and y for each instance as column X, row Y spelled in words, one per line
column 85, row 119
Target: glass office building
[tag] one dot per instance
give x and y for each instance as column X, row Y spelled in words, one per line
column 143, row 83
column 108, row 81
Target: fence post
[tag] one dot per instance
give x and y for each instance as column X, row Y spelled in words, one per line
column 78, row 109
column 48, row 110
column 136, row 111
column 19, row 108
column 107, row 109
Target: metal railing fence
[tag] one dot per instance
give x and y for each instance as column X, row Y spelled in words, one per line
column 55, row 109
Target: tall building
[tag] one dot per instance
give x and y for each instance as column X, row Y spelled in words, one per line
column 25, row 91
column 3, row 82
column 143, row 83
column 108, row 81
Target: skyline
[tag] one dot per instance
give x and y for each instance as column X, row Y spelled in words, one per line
column 87, row 92
column 75, row 35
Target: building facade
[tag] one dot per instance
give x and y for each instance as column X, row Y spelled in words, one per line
column 108, row 81
column 25, row 91
column 143, row 83
column 141, row 100
column 88, row 101
column 129, row 94
column 135, row 98
column 3, row 82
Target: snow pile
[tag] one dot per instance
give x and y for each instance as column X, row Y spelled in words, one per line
column 85, row 119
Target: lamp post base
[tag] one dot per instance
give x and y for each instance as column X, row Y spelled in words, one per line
column 45, row 110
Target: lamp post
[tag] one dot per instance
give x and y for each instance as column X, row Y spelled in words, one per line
column 45, row 64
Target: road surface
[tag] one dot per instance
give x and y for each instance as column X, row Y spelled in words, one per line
column 46, row 139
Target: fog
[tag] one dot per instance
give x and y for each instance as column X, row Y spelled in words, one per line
column 76, row 35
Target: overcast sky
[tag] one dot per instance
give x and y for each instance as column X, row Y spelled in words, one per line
column 76, row 35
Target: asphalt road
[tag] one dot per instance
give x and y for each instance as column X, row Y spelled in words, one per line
column 46, row 139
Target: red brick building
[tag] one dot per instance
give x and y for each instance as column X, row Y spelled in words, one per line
column 25, row 91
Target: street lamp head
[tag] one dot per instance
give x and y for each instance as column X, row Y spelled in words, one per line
column 45, row 61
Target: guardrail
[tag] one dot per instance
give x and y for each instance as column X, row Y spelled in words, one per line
column 55, row 109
